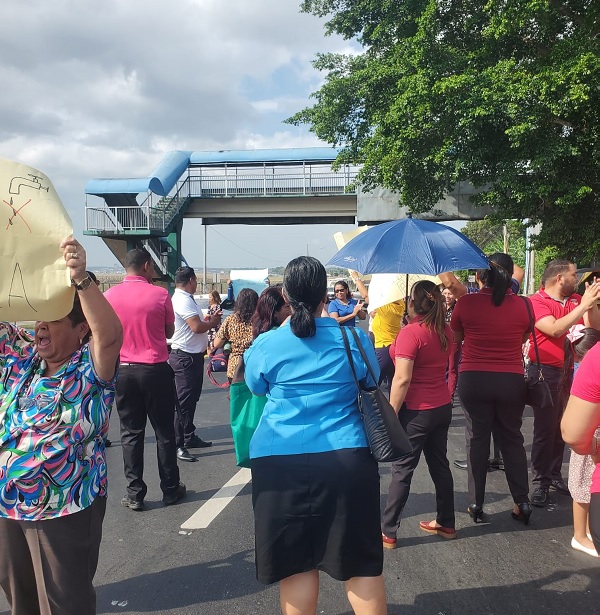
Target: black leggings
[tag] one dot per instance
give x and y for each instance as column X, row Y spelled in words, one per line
column 427, row 431
column 494, row 403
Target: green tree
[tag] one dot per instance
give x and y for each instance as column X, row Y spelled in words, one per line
column 501, row 93
column 489, row 236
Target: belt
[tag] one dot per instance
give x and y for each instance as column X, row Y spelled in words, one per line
column 148, row 364
column 186, row 352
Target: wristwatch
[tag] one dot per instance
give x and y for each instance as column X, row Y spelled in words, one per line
column 84, row 284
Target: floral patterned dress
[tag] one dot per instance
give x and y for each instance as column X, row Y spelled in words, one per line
column 52, row 453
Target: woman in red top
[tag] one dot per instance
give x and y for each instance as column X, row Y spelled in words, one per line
column 494, row 324
column 580, row 421
column 420, row 396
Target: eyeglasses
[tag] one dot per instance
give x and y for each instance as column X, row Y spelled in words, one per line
column 339, row 290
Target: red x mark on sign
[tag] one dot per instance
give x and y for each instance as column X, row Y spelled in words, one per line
column 16, row 212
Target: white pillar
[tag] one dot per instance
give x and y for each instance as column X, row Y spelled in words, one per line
column 204, row 287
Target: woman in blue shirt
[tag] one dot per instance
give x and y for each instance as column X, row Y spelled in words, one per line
column 315, row 485
column 343, row 307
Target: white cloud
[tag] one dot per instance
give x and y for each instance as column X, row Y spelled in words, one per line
column 106, row 89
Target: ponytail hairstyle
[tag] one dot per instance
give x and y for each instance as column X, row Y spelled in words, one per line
column 499, row 276
column 270, row 301
column 304, row 285
column 428, row 303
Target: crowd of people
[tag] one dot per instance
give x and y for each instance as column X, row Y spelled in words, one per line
column 315, row 484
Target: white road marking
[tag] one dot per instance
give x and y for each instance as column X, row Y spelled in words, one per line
column 205, row 515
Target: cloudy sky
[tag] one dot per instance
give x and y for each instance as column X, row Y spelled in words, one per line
column 105, row 89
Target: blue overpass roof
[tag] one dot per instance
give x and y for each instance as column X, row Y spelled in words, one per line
column 174, row 165
column 268, row 156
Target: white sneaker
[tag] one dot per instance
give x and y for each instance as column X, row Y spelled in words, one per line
column 579, row 547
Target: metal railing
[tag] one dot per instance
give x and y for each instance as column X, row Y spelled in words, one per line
column 153, row 246
column 280, row 184
column 122, row 219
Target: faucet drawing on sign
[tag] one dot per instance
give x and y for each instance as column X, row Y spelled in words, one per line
column 35, row 183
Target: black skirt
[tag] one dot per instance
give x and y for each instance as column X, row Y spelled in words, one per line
column 317, row 511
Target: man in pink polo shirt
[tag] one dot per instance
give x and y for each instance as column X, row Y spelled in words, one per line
column 556, row 307
column 145, row 387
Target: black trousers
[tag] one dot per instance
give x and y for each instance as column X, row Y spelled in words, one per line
column 147, row 392
column 386, row 365
column 427, row 431
column 548, row 447
column 188, row 369
column 494, row 404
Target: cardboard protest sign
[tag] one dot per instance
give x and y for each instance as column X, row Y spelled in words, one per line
column 34, row 279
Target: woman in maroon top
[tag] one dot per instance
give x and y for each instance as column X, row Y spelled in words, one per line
column 420, row 396
column 494, row 324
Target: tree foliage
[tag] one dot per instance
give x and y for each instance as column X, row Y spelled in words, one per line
column 489, row 236
column 502, row 93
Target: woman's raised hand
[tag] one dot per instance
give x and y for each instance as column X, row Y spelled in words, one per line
column 75, row 258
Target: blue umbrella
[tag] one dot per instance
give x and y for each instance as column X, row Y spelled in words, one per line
column 410, row 246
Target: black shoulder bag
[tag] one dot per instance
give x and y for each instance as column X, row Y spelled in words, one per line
column 386, row 436
column 538, row 392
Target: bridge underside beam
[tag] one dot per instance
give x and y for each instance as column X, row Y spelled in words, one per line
column 281, row 220
column 271, row 210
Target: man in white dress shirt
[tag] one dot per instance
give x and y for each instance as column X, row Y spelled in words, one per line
column 188, row 347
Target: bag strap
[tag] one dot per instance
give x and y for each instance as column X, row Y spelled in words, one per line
column 535, row 345
column 347, row 346
column 209, row 373
column 363, row 354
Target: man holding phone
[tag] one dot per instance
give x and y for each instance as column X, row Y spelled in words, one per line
column 557, row 307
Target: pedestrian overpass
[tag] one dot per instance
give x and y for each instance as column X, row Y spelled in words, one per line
column 279, row 186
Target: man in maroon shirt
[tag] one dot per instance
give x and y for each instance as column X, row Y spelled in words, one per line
column 556, row 309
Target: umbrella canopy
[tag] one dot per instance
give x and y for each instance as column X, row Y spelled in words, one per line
column 410, row 246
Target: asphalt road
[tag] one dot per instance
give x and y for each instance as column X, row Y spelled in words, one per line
column 148, row 564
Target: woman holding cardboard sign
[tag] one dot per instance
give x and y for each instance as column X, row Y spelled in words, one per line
column 56, row 392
